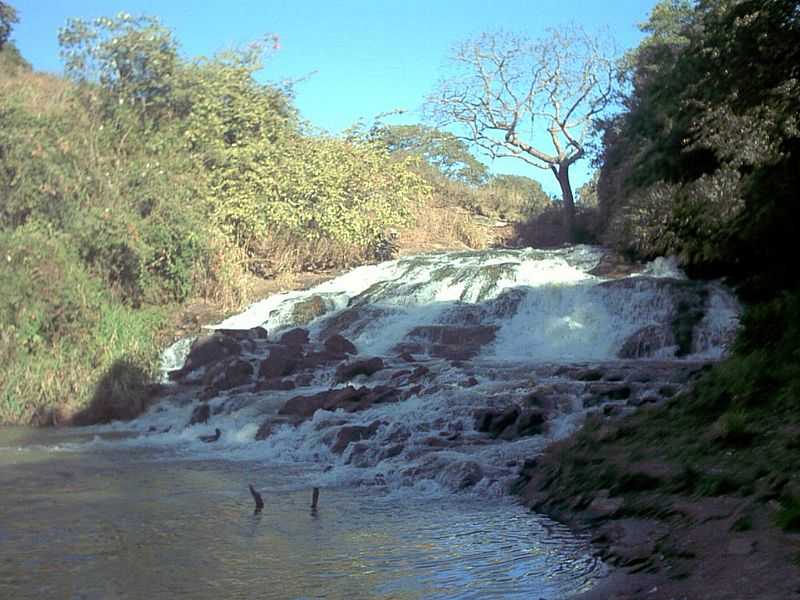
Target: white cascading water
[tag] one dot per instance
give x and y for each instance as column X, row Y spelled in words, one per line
column 551, row 316
column 485, row 357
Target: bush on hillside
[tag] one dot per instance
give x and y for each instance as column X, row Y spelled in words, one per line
column 61, row 328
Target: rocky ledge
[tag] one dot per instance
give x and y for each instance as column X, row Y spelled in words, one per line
column 672, row 532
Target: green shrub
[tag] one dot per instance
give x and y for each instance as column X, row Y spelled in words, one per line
column 60, row 329
column 788, row 517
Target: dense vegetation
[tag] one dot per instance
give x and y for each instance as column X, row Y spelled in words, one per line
column 704, row 163
column 457, row 178
column 145, row 179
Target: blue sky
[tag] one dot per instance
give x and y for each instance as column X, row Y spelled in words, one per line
column 361, row 57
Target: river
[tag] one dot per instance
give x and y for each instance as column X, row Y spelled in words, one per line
column 415, row 485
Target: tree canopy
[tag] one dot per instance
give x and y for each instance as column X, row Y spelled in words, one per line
column 534, row 100
column 704, row 160
column 8, row 16
column 448, row 153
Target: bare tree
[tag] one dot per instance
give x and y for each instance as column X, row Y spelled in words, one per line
column 534, row 100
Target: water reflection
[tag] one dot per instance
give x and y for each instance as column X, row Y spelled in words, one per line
column 120, row 524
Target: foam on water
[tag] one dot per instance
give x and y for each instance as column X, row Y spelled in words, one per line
column 548, row 309
column 564, row 314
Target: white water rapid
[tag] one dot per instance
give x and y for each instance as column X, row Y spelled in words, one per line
column 410, row 392
column 492, row 331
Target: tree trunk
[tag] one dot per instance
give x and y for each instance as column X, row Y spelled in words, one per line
column 562, row 174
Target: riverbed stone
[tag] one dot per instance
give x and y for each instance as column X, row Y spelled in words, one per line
column 275, row 383
column 459, row 475
column 449, row 341
column 207, row 350
column 295, row 337
column 200, row 415
column 228, row 375
column 353, row 433
column 338, row 344
column 368, row 367
column 530, row 422
column 349, row 399
column 275, row 366
column 494, row 421
column 305, row 311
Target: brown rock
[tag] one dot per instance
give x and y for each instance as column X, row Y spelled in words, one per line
column 279, row 363
column 313, row 360
column 413, row 391
column 366, row 367
column 460, row 475
column 530, row 422
column 603, row 392
column 348, row 398
column 305, row 311
column 494, row 422
column 392, row 451
column 452, row 342
column 358, row 456
column 200, row 415
column 589, row 375
column 646, row 342
column 306, row 406
column 353, row 433
column 229, row 374
column 276, row 383
column 206, row 350
column 338, row 344
column 295, row 337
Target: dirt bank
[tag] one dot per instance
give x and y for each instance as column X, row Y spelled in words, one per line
column 671, row 526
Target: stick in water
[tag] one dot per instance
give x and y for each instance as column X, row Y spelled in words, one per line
column 257, row 498
column 314, row 499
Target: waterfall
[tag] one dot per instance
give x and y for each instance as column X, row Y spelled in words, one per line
column 478, row 360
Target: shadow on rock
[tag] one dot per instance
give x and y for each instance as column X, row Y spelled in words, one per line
column 123, row 393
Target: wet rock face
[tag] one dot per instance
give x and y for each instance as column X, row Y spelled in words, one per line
column 353, row 319
column 295, row 337
column 200, row 414
column 460, row 475
column 684, row 303
column 338, row 344
column 309, row 309
column 647, row 342
column 275, row 383
column 367, row 367
column 229, row 374
column 282, row 361
column 206, row 350
column 349, row 399
column 511, row 423
column 353, row 433
column 451, row 342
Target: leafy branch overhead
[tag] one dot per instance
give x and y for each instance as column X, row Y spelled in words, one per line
column 8, row 16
